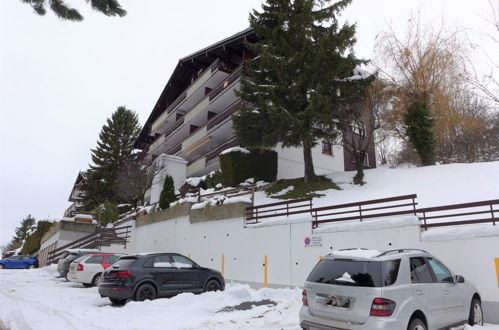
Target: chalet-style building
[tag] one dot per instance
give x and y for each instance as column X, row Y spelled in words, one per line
column 75, row 197
column 191, row 122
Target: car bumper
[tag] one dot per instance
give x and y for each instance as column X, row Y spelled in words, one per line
column 312, row 322
column 115, row 291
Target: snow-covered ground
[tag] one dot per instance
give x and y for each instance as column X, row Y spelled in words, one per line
column 36, row 299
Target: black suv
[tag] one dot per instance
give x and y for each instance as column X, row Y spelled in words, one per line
column 148, row 276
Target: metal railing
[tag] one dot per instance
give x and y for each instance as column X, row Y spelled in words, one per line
column 233, row 192
column 476, row 212
column 286, row 208
column 101, row 237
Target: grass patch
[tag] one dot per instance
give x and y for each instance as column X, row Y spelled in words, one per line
column 301, row 189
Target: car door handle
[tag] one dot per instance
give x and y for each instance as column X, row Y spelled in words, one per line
column 446, row 292
column 419, row 292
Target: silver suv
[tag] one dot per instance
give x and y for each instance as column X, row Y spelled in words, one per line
column 396, row 289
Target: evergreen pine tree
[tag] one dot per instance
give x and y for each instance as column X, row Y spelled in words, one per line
column 63, row 11
column 27, row 225
column 298, row 80
column 167, row 195
column 114, row 147
column 419, row 129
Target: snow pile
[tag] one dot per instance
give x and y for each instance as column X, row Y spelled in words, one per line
column 460, row 232
column 194, row 181
column 220, row 200
column 283, row 192
column 189, row 198
column 235, row 149
column 37, row 300
column 369, row 224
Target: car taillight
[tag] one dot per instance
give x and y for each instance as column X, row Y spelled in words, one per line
column 304, row 299
column 122, row 274
column 382, row 307
column 79, row 268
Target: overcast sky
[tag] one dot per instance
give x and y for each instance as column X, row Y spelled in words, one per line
column 59, row 81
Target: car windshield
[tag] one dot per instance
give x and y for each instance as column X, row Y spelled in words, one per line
column 80, row 258
column 355, row 273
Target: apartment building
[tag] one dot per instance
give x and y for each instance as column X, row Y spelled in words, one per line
column 191, row 122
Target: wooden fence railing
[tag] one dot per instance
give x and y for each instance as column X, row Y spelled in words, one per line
column 286, row 208
column 363, row 210
column 100, row 237
column 476, row 212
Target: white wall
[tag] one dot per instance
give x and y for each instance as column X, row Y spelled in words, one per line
column 290, row 161
column 169, row 165
column 290, row 261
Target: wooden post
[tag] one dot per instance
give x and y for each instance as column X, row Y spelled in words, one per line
column 253, row 195
column 199, row 195
column 492, row 212
column 360, row 212
column 223, row 264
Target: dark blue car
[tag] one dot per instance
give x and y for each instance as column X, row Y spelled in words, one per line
column 26, row 262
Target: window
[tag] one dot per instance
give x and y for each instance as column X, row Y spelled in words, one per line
column 95, row 260
column 327, row 148
column 182, row 262
column 162, row 261
column 420, row 273
column 441, row 273
column 14, row 258
column 366, row 160
column 112, row 259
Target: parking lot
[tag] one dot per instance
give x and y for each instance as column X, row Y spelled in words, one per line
column 37, row 299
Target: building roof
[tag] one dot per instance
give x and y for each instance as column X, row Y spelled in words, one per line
column 186, row 67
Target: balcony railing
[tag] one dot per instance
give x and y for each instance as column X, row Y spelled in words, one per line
column 224, row 114
column 232, row 142
column 177, row 124
column 177, row 101
column 226, row 83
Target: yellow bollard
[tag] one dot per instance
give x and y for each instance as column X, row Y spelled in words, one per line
column 497, row 270
column 223, row 263
column 265, row 272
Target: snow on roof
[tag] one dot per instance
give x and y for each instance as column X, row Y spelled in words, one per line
column 356, row 253
column 84, row 216
column 235, row 149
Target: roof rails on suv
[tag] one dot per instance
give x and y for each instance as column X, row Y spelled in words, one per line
column 399, row 251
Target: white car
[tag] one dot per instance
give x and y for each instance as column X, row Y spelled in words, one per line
column 391, row 290
column 88, row 268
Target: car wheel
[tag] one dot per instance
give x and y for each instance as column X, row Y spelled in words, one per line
column 31, row 267
column 476, row 314
column 96, row 279
column 145, row 292
column 118, row 302
column 416, row 324
column 1, row 266
column 212, row 285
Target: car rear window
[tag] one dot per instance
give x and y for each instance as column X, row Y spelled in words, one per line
column 355, row 273
column 124, row 263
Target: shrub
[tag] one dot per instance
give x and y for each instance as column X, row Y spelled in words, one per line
column 213, row 179
column 167, row 195
column 237, row 166
column 106, row 212
column 33, row 241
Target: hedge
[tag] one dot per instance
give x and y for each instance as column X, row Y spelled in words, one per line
column 237, row 166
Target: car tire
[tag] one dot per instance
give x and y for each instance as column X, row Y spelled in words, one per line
column 96, row 279
column 212, row 285
column 117, row 302
column 145, row 292
column 416, row 324
column 31, row 267
column 87, row 285
column 476, row 313
column 1, row 266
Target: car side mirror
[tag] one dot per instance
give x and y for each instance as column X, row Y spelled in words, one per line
column 459, row 279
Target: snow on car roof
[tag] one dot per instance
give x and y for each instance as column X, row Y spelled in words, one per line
column 356, row 253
